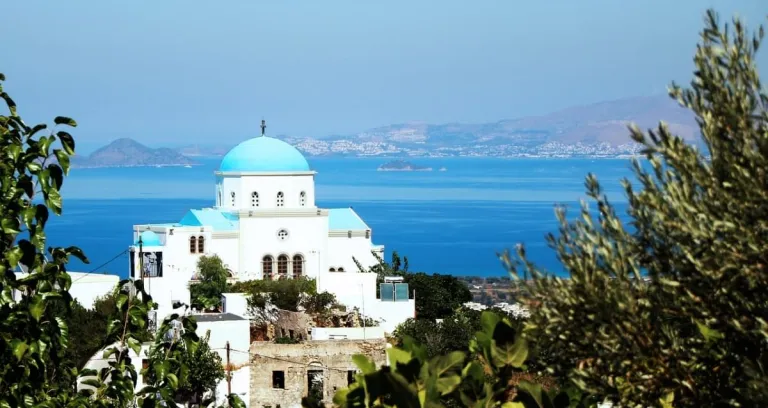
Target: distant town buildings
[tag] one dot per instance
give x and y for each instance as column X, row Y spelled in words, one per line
column 363, row 148
column 515, row 310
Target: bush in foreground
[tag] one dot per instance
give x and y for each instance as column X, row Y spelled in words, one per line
column 674, row 313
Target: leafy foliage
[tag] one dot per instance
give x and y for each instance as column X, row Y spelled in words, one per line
column 205, row 371
column 37, row 365
column 32, row 338
column 212, row 275
column 89, row 327
column 287, row 340
column 670, row 313
column 437, row 296
column 485, row 376
column 675, row 310
column 286, row 294
column 453, row 333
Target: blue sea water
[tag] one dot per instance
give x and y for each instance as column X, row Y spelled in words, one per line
column 452, row 222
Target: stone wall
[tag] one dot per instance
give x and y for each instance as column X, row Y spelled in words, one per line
column 330, row 359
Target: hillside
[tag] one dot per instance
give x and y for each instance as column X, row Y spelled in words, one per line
column 604, row 122
column 596, row 130
column 130, row 153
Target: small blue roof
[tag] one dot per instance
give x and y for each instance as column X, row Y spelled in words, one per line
column 149, row 238
column 265, row 154
column 345, row 219
column 210, row 217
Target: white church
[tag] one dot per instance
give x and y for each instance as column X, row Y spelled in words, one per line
column 265, row 225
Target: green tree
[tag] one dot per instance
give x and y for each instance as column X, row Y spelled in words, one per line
column 212, row 275
column 89, row 327
column 286, row 294
column 205, row 371
column 34, row 336
column 453, row 333
column 33, row 340
column 437, row 296
column 674, row 311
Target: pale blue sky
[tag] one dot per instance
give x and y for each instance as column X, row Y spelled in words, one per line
column 174, row 72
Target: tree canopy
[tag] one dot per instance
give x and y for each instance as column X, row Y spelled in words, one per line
column 670, row 310
column 675, row 307
column 39, row 365
column 211, row 282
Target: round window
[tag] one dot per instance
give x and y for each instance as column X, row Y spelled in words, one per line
column 282, row 234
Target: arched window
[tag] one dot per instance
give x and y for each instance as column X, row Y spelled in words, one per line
column 303, row 199
column 266, row 267
column 233, row 198
column 201, row 244
column 340, row 269
column 280, row 199
column 332, row 270
column 192, row 245
column 218, row 201
column 254, row 199
column 298, row 266
column 282, row 266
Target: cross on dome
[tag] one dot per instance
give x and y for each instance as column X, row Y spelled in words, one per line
column 263, row 126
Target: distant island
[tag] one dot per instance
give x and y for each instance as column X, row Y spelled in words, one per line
column 402, row 165
column 130, row 153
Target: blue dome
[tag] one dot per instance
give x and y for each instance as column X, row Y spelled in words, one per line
column 149, row 238
column 264, row 154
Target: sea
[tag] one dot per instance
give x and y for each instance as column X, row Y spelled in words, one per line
column 450, row 222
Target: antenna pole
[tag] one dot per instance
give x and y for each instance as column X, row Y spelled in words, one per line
column 229, row 373
column 141, row 259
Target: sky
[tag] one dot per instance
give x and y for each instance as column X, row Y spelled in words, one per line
column 176, row 72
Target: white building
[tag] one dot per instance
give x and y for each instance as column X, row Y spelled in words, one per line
column 265, row 225
column 86, row 287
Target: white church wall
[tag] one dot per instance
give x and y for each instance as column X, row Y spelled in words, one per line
column 178, row 267
column 259, row 237
column 268, row 186
column 226, row 249
column 342, row 250
column 351, row 289
column 179, row 260
column 228, row 185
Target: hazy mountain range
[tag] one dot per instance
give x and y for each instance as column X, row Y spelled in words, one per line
column 593, row 130
column 130, row 153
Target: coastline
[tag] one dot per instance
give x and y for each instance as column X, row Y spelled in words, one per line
column 114, row 166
